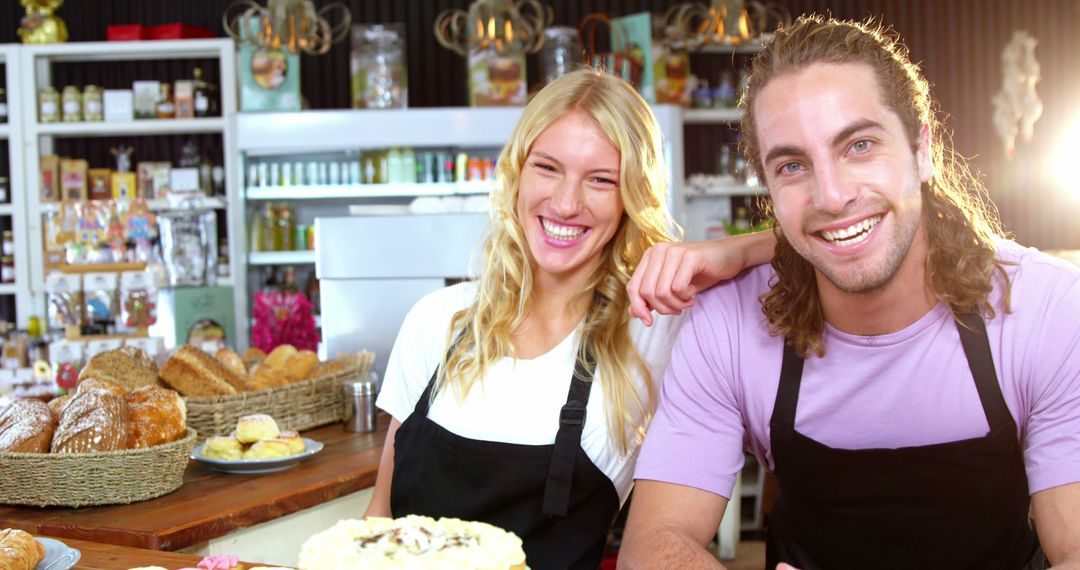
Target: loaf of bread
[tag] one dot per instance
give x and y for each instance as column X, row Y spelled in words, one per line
column 26, row 426
column 253, row 357
column 94, row 420
column 278, row 356
column 325, row 368
column 299, row 365
column 56, row 405
column 232, row 361
column 19, row 550
column 192, row 372
column 156, row 416
column 127, row 366
column 95, row 383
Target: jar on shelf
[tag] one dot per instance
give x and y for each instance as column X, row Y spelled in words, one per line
column 5, row 193
column 7, row 269
column 7, row 243
column 3, row 106
column 165, row 108
column 48, row 105
column 92, row 103
column 72, row 100
column 560, row 53
column 377, row 62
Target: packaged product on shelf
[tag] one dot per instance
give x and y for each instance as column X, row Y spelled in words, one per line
column 153, row 346
column 64, row 295
column 154, row 179
column 72, row 104
column 63, row 353
column 124, row 186
column 201, row 92
column 48, row 105
column 183, row 181
column 138, row 300
column 496, row 79
column 119, row 104
column 184, row 98
column 146, row 98
column 165, row 108
column 93, row 106
column 189, row 245
column 3, row 106
column 89, row 239
column 5, row 194
column 96, row 346
column 7, row 269
column 99, row 298
column 73, row 179
column 377, row 62
column 50, row 178
column 98, row 187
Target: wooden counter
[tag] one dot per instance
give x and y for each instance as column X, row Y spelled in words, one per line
column 211, row 504
column 97, row 556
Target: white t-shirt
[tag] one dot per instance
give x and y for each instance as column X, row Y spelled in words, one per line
column 518, row 401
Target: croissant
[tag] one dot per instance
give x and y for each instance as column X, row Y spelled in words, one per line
column 19, row 550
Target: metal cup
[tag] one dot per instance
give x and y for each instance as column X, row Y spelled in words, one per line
column 360, row 405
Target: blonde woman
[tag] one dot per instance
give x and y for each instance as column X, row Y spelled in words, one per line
column 520, row 399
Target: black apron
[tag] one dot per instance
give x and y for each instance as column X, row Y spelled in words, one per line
column 552, row 496
column 955, row 505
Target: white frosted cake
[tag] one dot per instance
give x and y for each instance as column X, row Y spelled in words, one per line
column 412, row 542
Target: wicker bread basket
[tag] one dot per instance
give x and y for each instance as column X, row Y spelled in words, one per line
column 298, row 406
column 96, row 478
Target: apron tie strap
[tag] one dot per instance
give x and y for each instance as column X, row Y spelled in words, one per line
column 568, row 440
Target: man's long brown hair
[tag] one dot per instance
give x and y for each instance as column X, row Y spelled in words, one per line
column 959, row 218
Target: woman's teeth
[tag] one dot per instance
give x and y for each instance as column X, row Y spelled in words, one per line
column 853, row 234
column 560, row 232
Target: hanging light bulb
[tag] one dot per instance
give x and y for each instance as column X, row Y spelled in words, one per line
column 293, row 25
column 504, row 25
column 722, row 22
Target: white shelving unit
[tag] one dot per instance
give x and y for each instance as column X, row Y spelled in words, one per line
column 16, row 208
column 711, row 116
column 38, row 138
column 269, row 136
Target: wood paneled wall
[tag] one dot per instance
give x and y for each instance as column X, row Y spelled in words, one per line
column 958, row 43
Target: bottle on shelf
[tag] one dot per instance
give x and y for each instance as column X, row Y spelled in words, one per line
column 283, row 229
column 724, row 96
column 5, row 190
column 165, row 108
column 393, row 163
column 408, row 165
column 742, row 220
column 312, row 291
column 289, row 284
column 201, row 95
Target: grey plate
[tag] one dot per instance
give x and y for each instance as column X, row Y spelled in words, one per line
column 253, row 466
column 58, row 556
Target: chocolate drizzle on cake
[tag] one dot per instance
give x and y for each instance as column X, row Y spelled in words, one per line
column 416, row 540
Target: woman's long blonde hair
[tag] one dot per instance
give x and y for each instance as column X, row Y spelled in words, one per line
column 484, row 329
column 959, row 218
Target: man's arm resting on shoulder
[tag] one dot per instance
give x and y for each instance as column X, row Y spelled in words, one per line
column 1057, row 520
column 670, row 526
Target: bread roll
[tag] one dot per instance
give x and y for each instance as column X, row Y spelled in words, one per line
column 94, row 383
column 232, row 361
column 127, row 366
column 56, row 405
column 265, row 378
column 221, row 447
column 19, row 550
column 296, row 443
column 256, row 427
column 299, row 365
column 192, row 372
column 278, row 356
column 267, row 449
column 156, row 416
column 253, row 357
column 94, row 420
column 26, row 426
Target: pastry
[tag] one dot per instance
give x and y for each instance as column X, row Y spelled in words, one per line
column 265, row 378
column 299, row 365
column 232, row 361
column 27, row 426
column 95, row 383
column 19, row 550
column 278, row 356
column 156, row 416
column 296, row 443
column 252, row 428
column 221, row 447
column 253, row 357
column 94, row 420
column 412, row 542
column 220, row 562
column 268, row 449
column 56, row 405
column 192, row 372
column 325, row 368
column 127, row 366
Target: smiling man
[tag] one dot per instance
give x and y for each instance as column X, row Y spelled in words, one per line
column 908, row 373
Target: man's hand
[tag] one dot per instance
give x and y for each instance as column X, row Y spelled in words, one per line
column 671, row 274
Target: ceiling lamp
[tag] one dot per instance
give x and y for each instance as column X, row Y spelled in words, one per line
column 722, row 22
column 505, row 25
column 291, row 25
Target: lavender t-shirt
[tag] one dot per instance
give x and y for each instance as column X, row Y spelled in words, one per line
column 908, row 388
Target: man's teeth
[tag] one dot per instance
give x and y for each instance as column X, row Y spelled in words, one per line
column 853, row 234
column 560, row 232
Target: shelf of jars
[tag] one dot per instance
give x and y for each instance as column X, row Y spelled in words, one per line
column 338, row 192
column 132, row 128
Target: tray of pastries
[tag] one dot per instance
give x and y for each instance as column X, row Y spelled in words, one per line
column 256, row 446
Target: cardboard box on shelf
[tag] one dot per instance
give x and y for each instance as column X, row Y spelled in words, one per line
column 184, row 97
column 50, row 178
column 146, row 98
column 99, row 186
column 73, row 179
column 154, row 179
column 127, row 32
column 124, row 185
column 119, row 104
